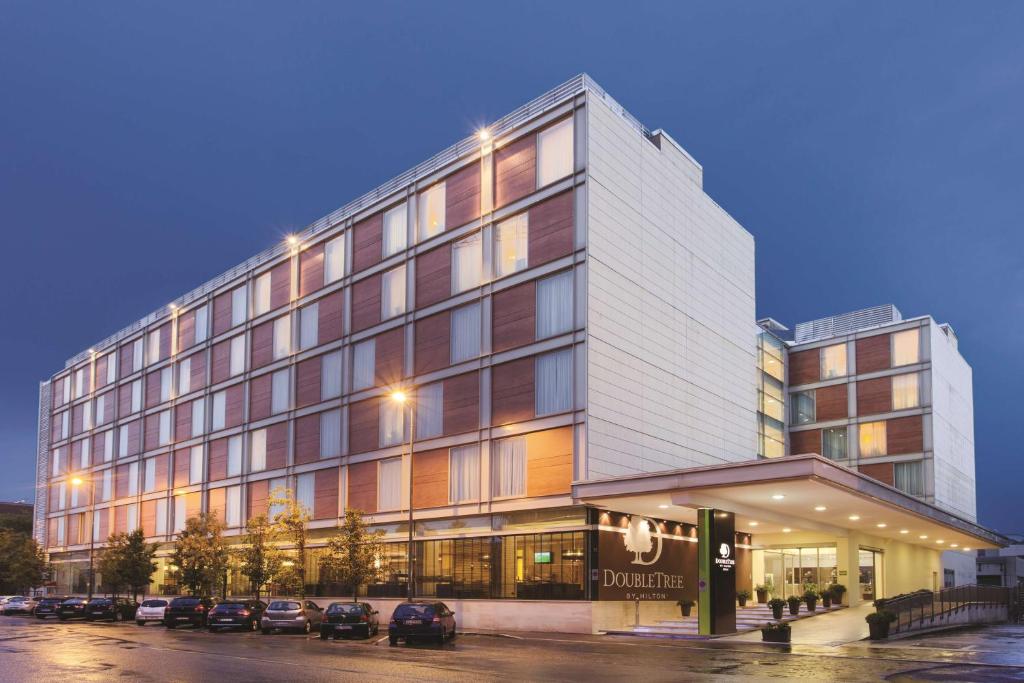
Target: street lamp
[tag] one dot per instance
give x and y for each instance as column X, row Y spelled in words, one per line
column 78, row 481
column 403, row 398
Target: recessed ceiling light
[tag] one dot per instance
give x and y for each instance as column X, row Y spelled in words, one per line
column 939, row 541
column 753, row 524
column 663, row 507
column 904, row 531
column 923, row 536
column 778, row 496
column 786, row 529
column 966, row 549
column 854, row 518
column 820, row 508
column 881, row 525
column 954, row 545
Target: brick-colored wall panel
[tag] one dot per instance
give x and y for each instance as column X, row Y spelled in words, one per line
column 389, row 357
column 218, row 459
column 462, row 196
column 257, row 497
column 804, row 366
column 221, row 313
column 362, row 486
column 331, row 313
column 325, row 494
column 882, row 471
column 808, row 441
column 234, row 406
column 260, row 397
column 430, row 479
column 280, row 285
column 307, row 439
column 512, row 392
column 307, row 382
column 549, row 462
column 831, row 402
column 363, row 427
column 873, row 353
column 277, row 445
column 366, row 303
column 514, row 317
column 434, row 276
column 186, row 330
column 462, row 403
column 220, row 368
column 874, row 396
column 311, row 270
column 367, row 236
column 181, row 467
column 262, row 341
column 904, row 435
column 197, row 369
column 433, row 342
column 551, row 229
column 515, row 170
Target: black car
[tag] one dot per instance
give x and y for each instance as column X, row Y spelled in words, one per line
column 188, row 610
column 244, row 614
column 72, row 608
column 48, row 607
column 345, row 619
column 421, row 621
column 114, row 609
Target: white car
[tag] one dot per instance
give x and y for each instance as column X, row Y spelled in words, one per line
column 18, row 605
column 4, row 599
column 151, row 611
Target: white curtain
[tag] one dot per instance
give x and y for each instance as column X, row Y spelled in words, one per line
column 179, row 514
column 392, row 293
column 279, row 392
column 304, row 490
column 364, row 360
column 150, row 476
column 429, row 403
column 85, row 459
column 161, row 516
column 195, row 465
column 511, row 245
column 238, row 304
column 282, row 336
column 184, row 377
column 392, row 422
column 133, row 478
column 107, row 481
column 905, row 392
column 508, row 467
column 554, row 382
column 198, row 417
column 219, row 401
column 330, row 376
column 258, row 451
column 166, row 376
column 101, row 409
column 389, row 488
column 309, row 321
column 554, row 305
column 394, row 230
column 554, row 153
column 467, row 258
column 133, row 517
column 465, row 333
column 236, row 359
column 431, row 212
column 234, row 456
column 108, row 446
column 233, row 503
column 165, row 428
column 330, row 434
column 464, row 481
column 200, row 324
column 334, row 260
column 909, row 477
column 261, row 295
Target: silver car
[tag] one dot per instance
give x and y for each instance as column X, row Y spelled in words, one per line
column 291, row 615
column 151, row 610
column 19, row 605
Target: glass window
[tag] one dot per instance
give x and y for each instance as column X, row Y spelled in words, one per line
column 108, row 481
column 872, row 439
column 219, row 405
column 803, row 407
column 833, row 443
column 429, row 404
column 905, row 391
column 136, row 395
column 554, row 382
column 282, row 337
column 108, row 446
column 200, row 324
column 234, row 456
column 363, row 364
column 772, row 403
column 258, row 450
column 909, row 477
column 392, row 422
column 133, row 478
column 137, row 354
column 465, row 333
column 554, row 305
column 334, row 260
column 112, row 361
column 906, row 347
column 195, row 465
column 279, row 392
column 233, row 505
column 153, row 355
column 238, row 305
column 184, row 376
column 392, row 293
column 389, row 488
column 198, row 417
column 508, row 467
column 771, row 355
column 330, row 434
column 394, row 230
column 309, row 322
column 237, row 355
column 431, row 212
column 179, row 514
column 304, row 490
column 161, row 516
column 554, row 153
column 164, row 436
column 330, row 375
column 467, row 257
column 511, row 245
column 261, row 294
column 833, row 361
column 166, row 376
column 464, row 473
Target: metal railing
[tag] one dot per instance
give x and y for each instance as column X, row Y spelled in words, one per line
column 925, row 609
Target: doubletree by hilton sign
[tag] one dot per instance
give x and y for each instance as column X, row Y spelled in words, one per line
column 645, row 559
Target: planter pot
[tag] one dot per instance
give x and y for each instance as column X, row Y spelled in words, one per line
column 743, row 602
column 794, row 608
column 686, row 610
column 879, row 631
column 775, row 636
column 826, row 601
column 762, row 597
column 811, row 605
column 777, row 612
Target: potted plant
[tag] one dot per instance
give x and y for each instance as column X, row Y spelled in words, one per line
column 762, row 593
column 775, row 632
column 837, row 590
column 878, row 624
column 743, row 596
column 794, row 605
column 776, row 605
column 685, row 606
column 811, row 599
column 826, row 598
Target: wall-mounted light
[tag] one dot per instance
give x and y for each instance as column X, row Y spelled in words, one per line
column 483, row 135
column 923, row 536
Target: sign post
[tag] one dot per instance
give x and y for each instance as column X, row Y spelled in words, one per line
column 716, row 562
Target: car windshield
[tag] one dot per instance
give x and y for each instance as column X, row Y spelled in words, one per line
column 154, row 603
column 283, row 605
column 414, row 611
column 184, row 602
column 74, row 601
column 345, row 609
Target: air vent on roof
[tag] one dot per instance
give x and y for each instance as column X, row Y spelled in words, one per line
column 845, row 323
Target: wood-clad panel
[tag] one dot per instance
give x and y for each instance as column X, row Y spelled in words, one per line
column 874, row 396
column 311, row 270
column 220, row 368
column 121, row 479
column 904, row 435
column 873, row 353
column 260, row 397
column 234, row 406
column 331, row 318
column 107, row 415
column 882, row 471
column 512, row 393
column 153, row 389
column 831, row 402
column 216, row 502
column 550, row 229
column 277, row 445
column 124, row 400
column 430, row 479
column 363, row 432
column 307, row 382
column 513, row 317
column 462, row 196
column 362, row 486
column 366, row 303
column 258, row 496
column 325, row 494
column 134, row 438
column 804, row 366
column 74, row 529
column 217, row 460
column 160, row 471
column 515, row 170
column 262, row 344
column 389, row 357
column 808, row 441
column 125, row 365
column 78, row 419
column 280, row 284
column 164, row 335
column 182, row 422
column 186, row 330
column 181, row 467
column 307, row 439
column 197, row 369
column 121, row 519
column 104, row 523
column 367, row 237
column 433, row 342
column 549, row 462
column 147, row 515
column 462, row 403
column 101, row 372
column 221, row 313
column 434, row 276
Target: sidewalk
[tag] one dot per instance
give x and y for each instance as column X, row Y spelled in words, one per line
column 834, row 628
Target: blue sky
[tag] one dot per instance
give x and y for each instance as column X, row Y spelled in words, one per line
column 874, row 150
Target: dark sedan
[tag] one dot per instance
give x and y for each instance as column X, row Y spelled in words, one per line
column 48, row 607
column 245, row 614
column 113, row 609
column 346, row 619
column 188, row 610
column 72, row 608
column 421, row 621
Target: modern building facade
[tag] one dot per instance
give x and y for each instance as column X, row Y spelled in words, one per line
column 567, row 310
column 1001, row 566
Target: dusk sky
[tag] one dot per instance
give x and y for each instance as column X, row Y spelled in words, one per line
column 874, row 150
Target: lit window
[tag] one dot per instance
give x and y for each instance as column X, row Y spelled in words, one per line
column 133, row 478
column 161, row 516
column 395, row 232
column 180, row 512
column 464, row 473
column 334, row 260
column 165, row 384
column 909, row 477
column 554, row 153
column 906, row 348
column 465, row 333
column 200, row 324
column 233, row 505
column 309, row 321
column 392, row 422
column 392, row 293
column 111, row 368
column 833, row 361
column 429, row 405
column 137, row 354
column 153, row 347
column 304, row 496
column 554, row 305
column 363, row 364
column 149, row 483
column 136, row 395
column 133, row 516
column 511, row 244
column 237, row 356
column 389, row 487
column 261, row 294
column 905, row 391
column 282, row 337
column 554, row 382
column 330, row 434
column 258, row 451
column 238, row 304
column 184, row 376
column 108, row 446
column 165, row 428
column 234, row 467
column 431, row 212
column 803, row 407
column 872, row 439
column 195, row 465
column 833, row 443
column 508, row 467
column 467, row 256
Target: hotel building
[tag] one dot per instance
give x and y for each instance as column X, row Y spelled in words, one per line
column 570, row 315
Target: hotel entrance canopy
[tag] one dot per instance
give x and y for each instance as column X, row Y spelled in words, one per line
column 802, row 493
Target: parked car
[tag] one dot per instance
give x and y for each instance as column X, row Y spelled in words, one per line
column 291, row 615
column 19, row 605
column 421, row 621
column 72, row 608
column 188, row 610
column 150, row 610
column 47, row 607
column 236, row 614
column 114, row 609
column 345, row 619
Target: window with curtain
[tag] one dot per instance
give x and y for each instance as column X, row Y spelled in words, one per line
column 136, row 396
column 108, row 446
column 833, row 361
column 554, row 382
column 219, row 404
column 198, row 417
column 149, row 483
column 467, row 262
column 137, row 354
column 554, row 305
column 161, row 516
column 392, row 293
column 909, row 477
column 872, row 438
column 330, row 434
column 429, row 404
column 392, row 422
column 184, row 376
column 166, row 376
column 511, row 245
column 258, row 450
column 508, row 467
column 465, row 333
column 304, row 490
column 803, row 407
column 261, row 294
column 238, row 305
column 330, row 375
column 279, row 486
column 554, row 153
column 152, row 356
column 179, row 514
column 279, row 392
column 107, row 483
column 464, row 473
column 199, row 327
column 364, row 360
column 282, row 337
column 431, row 212
column 309, row 323
column 389, row 484
column 334, row 260
column 233, row 505
column 833, row 443
column 234, row 456
column 195, row 465
column 164, row 436
column 133, row 478
column 394, row 230
column 236, row 357
column 905, row 391
column 85, row 456
column 906, row 347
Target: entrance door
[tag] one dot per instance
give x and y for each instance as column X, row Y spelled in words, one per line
column 870, row 562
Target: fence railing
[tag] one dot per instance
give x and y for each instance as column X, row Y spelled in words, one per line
column 924, row 608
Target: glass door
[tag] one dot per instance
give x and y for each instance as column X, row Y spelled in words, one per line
column 870, row 563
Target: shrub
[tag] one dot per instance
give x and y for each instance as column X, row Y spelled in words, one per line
column 881, row 617
column 776, row 626
column 743, row 595
column 779, row 602
column 793, row 600
column 685, row 603
column 811, row 595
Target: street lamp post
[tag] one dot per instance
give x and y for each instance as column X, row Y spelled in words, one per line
column 402, row 398
column 77, row 481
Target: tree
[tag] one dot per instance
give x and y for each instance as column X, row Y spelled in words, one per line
column 134, row 558
column 110, row 563
column 201, row 553
column 353, row 553
column 290, row 524
column 22, row 562
column 259, row 559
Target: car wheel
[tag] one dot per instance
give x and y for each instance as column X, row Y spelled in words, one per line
column 441, row 638
column 265, row 631
column 118, row 616
column 307, row 627
column 392, row 641
column 253, row 626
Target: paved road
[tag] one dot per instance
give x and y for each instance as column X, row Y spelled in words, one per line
column 31, row 650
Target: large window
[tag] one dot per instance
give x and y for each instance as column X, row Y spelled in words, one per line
column 465, row 333
column 906, row 347
column 258, row 451
column 431, row 212
column 511, row 245
column 554, row 382
column 233, row 506
column 234, row 467
column 363, row 364
column 330, row 434
column 905, row 391
column 330, row 375
column 149, row 483
column 429, row 406
column 554, row 153
column 304, row 490
column 195, row 465
column 392, row 422
column 803, row 407
column 184, row 376
column 833, row 443
column 467, row 258
column 872, row 439
column 261, row 294
column 554, row 305
column 772, row 403
column 279, row 392
column 464, row 473
column 282, row 337
column 239, row 309
column 508, row 467
column 389, row 488
column 236, row 356
column 219, row 408
column 833, row 361
column 394, row 238
column 334, row 260
column 392, row 293
column 166, row 375
column 309, row 323
column 909, row 477
column 198, row 418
